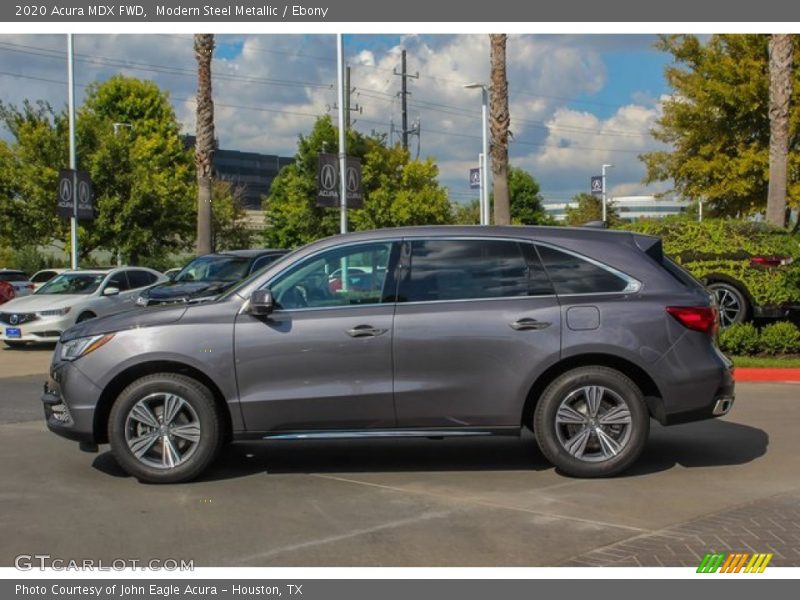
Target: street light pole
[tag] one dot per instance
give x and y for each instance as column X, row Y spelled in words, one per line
column 485, row 219
column 73, row 159
column 604, row 192
column 342, row 142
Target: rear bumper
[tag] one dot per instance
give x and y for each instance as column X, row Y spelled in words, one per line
column 696, row 382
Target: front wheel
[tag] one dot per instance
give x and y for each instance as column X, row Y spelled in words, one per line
column 591, row 422
column 165, row 428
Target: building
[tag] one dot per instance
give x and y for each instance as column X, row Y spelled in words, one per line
column 629, row 208
column 252, row 171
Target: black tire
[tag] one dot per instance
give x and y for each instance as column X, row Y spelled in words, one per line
column 85, row 317
column 15, row 345
column 732, row 302
column 569, row 388
column 202, row 407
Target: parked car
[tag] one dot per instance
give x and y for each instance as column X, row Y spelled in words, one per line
column 41, row 277
column 581, row 335
column 751, row 268
column 69, row 298
column 7, row 292
column 19, row 280
column 206, row 277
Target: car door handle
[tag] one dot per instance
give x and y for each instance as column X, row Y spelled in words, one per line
column 365, row 331
column 523, row 324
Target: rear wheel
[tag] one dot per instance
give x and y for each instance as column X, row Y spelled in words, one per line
column 165, row 428
column 732, row 303
column 591, row 422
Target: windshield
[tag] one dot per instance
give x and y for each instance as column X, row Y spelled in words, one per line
column 73, row 283
column 214, row 268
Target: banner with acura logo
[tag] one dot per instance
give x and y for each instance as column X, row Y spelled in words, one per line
column 328, row 182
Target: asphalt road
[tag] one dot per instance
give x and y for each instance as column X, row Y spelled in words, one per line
column 479, row 502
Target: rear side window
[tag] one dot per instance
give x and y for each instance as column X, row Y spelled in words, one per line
column 571, row 274
column 467, row 269
column 13, row 276
column 139, row 279
column 43, row 276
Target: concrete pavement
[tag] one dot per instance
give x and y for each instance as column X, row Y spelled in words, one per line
column 487, row 502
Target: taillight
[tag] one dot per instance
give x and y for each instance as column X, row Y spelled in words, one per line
column 770, row 261
column 698, row 318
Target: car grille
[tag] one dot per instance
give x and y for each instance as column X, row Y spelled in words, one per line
column 17, row 318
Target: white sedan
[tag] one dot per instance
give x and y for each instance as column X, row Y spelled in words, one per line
column 72, row 297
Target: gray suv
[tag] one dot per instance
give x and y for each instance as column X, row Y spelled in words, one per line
column 582, row 335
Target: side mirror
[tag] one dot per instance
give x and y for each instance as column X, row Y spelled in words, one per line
column 111, row 291
column 261, row 303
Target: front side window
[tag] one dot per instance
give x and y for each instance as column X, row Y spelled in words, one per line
column 215, row 268
column 469, row 269
column 571, row 274
column 118, row 280
column 139, row 279
column 336, row 277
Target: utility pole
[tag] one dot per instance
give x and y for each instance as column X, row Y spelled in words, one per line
column 403, row 74
column 348, row 108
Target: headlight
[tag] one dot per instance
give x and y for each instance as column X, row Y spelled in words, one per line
column 141, row 301
column 78, row 347
column 59, row 312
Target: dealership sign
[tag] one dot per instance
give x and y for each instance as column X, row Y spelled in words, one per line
column 75, row 186
column 328, row 183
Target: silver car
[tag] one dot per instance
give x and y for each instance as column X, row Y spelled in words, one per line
column 72, row 297
column 581, row 335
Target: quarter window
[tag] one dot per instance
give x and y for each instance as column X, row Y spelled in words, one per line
column 470, row 269
column 573, row 275
column 337, row 277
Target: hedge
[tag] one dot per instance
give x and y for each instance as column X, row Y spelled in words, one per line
column 743, row 339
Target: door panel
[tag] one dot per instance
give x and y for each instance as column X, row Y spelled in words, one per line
column 462, row 364
column 302, row 369
column 323, row 359
column 475, row 319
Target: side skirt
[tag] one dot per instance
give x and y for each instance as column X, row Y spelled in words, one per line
column 340, row 434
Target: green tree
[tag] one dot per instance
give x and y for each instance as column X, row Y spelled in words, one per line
column 717, row 123
column 142, row 174
column 397, row 190
column 526, row 201
column 229, row 230
column 467, row 214
column 590, row 208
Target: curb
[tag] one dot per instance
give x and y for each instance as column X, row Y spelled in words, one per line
column 777, row 375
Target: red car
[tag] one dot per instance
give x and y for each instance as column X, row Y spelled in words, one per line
column 7, row 292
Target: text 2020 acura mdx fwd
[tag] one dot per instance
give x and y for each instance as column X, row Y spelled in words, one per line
column 582, row 335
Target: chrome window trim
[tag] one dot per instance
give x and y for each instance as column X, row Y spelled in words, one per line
column 630, row 280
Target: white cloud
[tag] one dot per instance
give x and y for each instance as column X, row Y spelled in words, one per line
column 268, row 89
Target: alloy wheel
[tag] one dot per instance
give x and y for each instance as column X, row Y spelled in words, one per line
column 593, row 423
column 729, row 306
column 162, row 430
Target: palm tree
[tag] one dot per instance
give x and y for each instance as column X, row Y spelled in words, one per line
column 499, row 123
column 204, row 139
column 780, row 90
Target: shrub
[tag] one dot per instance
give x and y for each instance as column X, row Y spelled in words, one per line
column 780, row 338
column 741, row 339
column 724, row 247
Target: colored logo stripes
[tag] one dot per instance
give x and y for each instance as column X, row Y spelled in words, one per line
column 734, row 562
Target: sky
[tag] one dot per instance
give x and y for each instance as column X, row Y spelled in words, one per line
column 576, row 101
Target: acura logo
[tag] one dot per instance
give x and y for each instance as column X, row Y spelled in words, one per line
column 353, row 182
column 327, row 177
column 14, row 319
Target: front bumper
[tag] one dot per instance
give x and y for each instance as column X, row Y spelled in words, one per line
column 43, row 329
column 69, row 399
